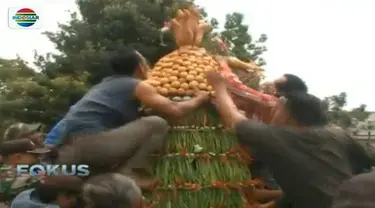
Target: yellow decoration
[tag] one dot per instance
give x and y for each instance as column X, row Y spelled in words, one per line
column 182, row 72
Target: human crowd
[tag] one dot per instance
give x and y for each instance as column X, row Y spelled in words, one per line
column 308, row 163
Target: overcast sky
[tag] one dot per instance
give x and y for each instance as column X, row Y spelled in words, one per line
column 329, row 43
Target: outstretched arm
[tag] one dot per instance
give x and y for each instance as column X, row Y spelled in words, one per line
column 254, row 134
column 152, row 99
column 225, row 105
column 249, row 100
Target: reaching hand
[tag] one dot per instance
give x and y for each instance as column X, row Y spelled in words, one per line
column 204, row 96
column 215, row 79
column 220, row 59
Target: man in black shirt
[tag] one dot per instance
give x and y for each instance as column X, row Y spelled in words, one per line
column 310, row 160
column 357, row 192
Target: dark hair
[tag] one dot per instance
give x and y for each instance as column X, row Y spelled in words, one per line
column 48, row 194
column 293, row 83
column 306, row 109
column 124, row 61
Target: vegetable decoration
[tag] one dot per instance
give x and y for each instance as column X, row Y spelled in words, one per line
column 203, row 165
column 182, row 71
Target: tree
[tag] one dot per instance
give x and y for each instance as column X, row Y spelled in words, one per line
column 65, row 76
column 335, row 105
column 338, row 102
column 240, row 41
column 106, row 25
column 237, row 38
column 240, row 44
column 10, row 70
column 359, row 113
column 362, row 108
column 122, row 23
column 29, row 96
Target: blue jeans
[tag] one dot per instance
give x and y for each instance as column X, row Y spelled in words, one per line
column 57, row 134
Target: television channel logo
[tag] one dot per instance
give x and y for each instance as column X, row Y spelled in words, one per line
column 24, row 18
column 53, row 170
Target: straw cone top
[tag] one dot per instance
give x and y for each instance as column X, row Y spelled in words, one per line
column 181, row 72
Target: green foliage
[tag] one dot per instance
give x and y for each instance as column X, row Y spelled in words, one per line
column 239, row 40
column 62, row 78
column 29, row 96
column 113, row 23
column 44, row 96
column 359, row 113
column 240, row 44
column 338, row 115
